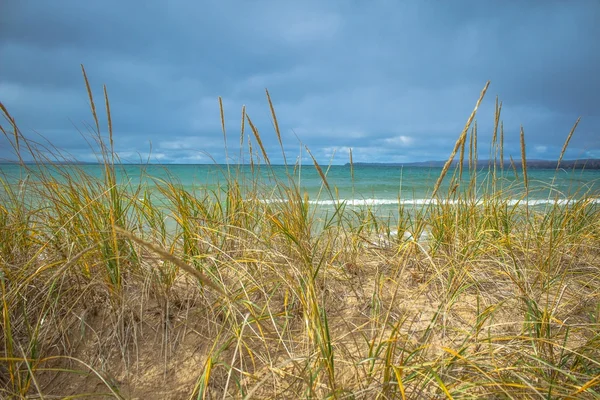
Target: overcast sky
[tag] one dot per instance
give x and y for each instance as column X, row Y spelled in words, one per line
column 393, row 80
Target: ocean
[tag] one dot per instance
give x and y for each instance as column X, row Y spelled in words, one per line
column 382, row 188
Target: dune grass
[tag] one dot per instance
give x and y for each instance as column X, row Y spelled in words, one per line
column 211, row 294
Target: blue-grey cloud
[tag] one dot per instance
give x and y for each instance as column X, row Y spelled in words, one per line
column 394, row 81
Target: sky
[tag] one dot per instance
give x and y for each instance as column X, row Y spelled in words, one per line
column 395, row 81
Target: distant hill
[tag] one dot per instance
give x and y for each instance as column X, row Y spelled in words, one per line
column 8, row 162
column 590, row 163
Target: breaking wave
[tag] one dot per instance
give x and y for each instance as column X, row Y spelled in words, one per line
column 425, row 202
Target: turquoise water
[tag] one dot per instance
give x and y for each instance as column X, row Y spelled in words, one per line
column 383, row 187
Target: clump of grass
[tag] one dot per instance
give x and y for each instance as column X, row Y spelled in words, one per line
column 128, row 289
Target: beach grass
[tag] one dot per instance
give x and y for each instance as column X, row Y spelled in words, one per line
column 212, row 293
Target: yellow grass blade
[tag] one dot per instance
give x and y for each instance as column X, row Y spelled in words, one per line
column 398, row 373
column 587, row 385
column 441, row 384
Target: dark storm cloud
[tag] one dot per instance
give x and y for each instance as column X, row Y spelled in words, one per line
column 395, row 81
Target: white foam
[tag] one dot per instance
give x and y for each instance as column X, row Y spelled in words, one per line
column 424, row 202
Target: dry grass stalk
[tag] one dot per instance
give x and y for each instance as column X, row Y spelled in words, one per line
column 258, row 140
column 276, row 125
column 501, row 146
column 222, row 112
column 514, row 167
column 110, row 126
column 242, row 127
column 319, row 170
column 564, row 148
column 475, row 145
column 14, row 125
column 91, row 99
column 524, row 160
column 471, row 151
column 460, row 141
column 167, row 256
column 497, row 109
column 496, row 147
column 461, row 159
